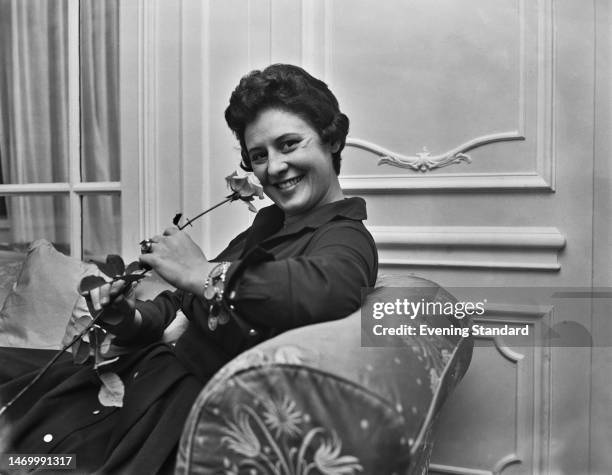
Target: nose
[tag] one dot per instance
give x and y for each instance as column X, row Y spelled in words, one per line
column 277, row 165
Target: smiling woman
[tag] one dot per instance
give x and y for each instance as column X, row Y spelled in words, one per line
column 304, row 260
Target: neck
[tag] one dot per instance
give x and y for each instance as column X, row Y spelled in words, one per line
column 296, row 217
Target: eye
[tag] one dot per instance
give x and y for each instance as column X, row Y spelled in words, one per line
column 289, row 145
column 258, row 157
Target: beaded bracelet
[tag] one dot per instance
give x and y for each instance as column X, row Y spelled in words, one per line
column 218, row 313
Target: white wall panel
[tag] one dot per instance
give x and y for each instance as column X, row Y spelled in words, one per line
column 500, row 92
column 497, row 55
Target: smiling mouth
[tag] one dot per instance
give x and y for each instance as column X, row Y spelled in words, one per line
column 284, row 185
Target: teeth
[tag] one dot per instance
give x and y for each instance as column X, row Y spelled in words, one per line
column 289, row 183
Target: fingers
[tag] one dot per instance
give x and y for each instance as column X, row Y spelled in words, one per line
column 147, row 260
column 117, row 287
column 107, row 294
column 159, row 241
column 94, row 296
column 162, row 244
column 155, row 242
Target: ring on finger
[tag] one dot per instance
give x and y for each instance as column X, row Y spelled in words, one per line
column 146, row 246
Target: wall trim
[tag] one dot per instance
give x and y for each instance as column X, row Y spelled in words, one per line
column 534, row 373
column 489, row 247
column 402, row 183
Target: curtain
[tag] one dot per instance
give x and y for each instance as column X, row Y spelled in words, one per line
column 34, row 105
column 34, row 108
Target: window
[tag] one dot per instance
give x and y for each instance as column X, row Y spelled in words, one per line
column 59, row 125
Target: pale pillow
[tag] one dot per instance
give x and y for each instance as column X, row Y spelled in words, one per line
column 10, row 267
column 39, row 310
column 35, row 312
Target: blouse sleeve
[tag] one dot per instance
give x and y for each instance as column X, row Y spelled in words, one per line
column 156, row 316
column 323, row 283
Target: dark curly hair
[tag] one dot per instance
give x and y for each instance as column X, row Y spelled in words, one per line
column 292, row 89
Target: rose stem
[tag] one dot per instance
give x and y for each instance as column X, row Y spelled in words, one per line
column 189, row 221
column 48, row 365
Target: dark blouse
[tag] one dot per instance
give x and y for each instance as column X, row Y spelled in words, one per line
column 280, row 278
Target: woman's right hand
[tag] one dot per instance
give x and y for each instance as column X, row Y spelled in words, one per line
column 178, row 260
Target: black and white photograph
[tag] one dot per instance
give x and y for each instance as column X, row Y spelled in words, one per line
column 306, row 237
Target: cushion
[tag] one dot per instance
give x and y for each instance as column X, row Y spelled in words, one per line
column 35, row 312
column 39, row 310
column 10, row 266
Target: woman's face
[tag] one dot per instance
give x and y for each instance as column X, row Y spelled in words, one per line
column 289, row 159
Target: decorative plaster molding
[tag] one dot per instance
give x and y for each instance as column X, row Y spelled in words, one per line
column 532, row 371
column 424, row 161
column 505, row 462
column 441, row 182
column 462, row 236
column 435, row 468
column 484, row 247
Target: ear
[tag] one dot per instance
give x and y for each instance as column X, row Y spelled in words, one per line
column 334, row 147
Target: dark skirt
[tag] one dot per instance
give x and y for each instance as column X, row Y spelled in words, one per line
column 61, row 413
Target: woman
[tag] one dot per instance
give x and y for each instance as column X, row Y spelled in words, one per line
column 304, row 260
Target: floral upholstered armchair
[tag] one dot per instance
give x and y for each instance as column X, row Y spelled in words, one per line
column 315, row 401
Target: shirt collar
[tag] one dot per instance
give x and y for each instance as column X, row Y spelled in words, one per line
column 269, row 221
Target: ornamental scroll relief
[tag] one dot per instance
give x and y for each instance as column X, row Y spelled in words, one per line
column 424, row 161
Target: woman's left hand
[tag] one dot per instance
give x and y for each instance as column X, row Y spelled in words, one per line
column 176, row 258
